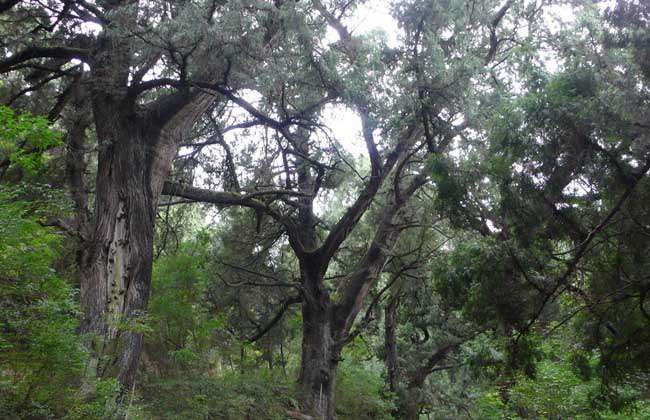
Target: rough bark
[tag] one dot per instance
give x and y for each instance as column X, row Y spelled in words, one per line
column 320, row 358
column 76, row 123
column 390, row 342
column 117, row 271
column 135, row 155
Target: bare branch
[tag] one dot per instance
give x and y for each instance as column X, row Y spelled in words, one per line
column 494, row 41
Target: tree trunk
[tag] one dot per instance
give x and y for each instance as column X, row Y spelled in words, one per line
column 390, row 342
column 117, row 268
column 409, row 409
column 320, row 355
column 320, row 358
column 411, row 398
column 136, row 148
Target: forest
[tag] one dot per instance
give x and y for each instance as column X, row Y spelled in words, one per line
column 324, row 209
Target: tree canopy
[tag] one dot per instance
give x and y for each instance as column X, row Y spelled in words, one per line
column 251, row 209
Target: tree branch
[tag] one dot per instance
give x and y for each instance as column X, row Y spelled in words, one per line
column 494, row 41
column 285, row 306
column 230, row 199
column 69, row 53
column 353, row 214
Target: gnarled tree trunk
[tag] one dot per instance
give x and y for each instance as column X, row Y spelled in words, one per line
column 320, row 358
column 116, row 273
column 135, row 157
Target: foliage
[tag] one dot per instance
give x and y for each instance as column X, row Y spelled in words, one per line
column 360, row 391
column 24, row 139
column 261, row 394
column 41, row 359
column 179, row 327
column 558, row 390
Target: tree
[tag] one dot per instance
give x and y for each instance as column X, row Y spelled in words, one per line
column 142, row 70
column 498, row 205
column 415, row 123
column 422, row 335
column 566, row 165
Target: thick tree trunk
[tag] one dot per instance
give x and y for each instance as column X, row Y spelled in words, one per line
column 409, row 409
column 136, row 149
column 320, row 359
column 117, row 268
column 320, row 352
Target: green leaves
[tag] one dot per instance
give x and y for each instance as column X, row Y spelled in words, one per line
column 24, row 139
column 41, row 355
column 360, row 393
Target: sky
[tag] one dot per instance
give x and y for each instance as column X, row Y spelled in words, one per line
column 344, row 122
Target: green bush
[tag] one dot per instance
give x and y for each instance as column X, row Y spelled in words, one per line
column 41, row 357
column 261, row 394
column 561, row 390
column 360, row 392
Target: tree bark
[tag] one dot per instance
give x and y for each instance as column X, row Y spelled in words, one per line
column 409, row 409
column 320, row 353
column 327, row 323
column 135, row 157
column 390, row 342
column 116, row 273
column 320, row 358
